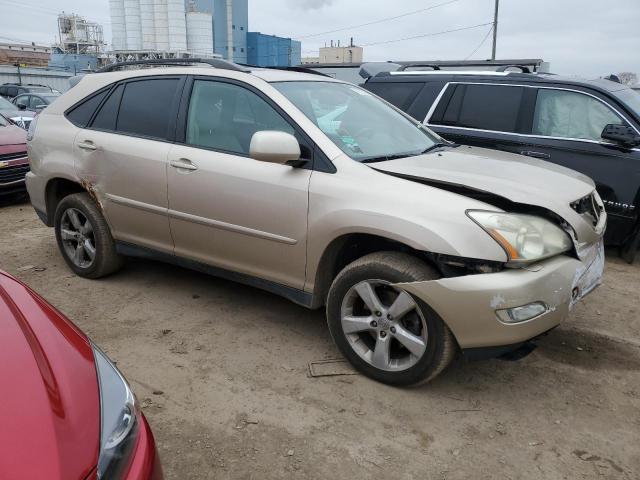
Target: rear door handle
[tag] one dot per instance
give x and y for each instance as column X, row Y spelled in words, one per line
column 543, row 156
column 87, row 145
column 183, row 164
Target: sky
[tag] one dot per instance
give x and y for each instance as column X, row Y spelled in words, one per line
column 590, row 38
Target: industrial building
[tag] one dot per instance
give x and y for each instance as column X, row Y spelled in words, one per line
column 230, row 26
column 272, row 51
column 80, row 44
column 24, row 54
column 160, row 29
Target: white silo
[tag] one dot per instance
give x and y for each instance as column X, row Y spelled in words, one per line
column 132, row 24
column 161, row 24
column 199, row 34
column 177, row 25
column 118, row 29
column 147, row 24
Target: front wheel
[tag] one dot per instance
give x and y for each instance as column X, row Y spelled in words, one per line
column 386, row 333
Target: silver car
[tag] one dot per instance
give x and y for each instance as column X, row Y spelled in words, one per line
column 319, row 191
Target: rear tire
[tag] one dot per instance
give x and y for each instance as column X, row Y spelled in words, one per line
column 84, row 238
column 416, row 345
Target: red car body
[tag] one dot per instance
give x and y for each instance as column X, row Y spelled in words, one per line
column 50, row 399
column 14, row 163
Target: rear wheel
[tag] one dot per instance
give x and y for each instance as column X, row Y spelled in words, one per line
column 385, row 332
column 84, row 238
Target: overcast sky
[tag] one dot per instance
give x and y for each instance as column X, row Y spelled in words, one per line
column 583, row 37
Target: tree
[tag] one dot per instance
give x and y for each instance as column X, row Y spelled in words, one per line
column 628, row 78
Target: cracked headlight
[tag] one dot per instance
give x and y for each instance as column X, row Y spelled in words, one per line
column 118, row 413
column 525, row 238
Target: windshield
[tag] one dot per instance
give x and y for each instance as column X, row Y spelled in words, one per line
column 6, row 104
column 360, row 124
column 631, row 98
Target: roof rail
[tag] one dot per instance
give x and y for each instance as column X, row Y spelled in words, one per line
column 522, row 68
column 411, row 65
column 159, row 62
column 300, row 70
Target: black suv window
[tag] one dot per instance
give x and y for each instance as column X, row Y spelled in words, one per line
column 398, row 94
column 146, row 106
column 12, row 92
column 486, row 107
column 82, row 113
column 568, row 114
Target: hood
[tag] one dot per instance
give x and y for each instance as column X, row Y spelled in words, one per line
column 13, row 135
column 517, row 178
column 49, row 384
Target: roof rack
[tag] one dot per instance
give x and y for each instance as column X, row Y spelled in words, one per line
column 300, row 70
column 411, row 65
column 522, row 68
column 158, row 62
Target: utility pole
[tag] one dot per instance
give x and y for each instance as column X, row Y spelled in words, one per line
column 495, row 31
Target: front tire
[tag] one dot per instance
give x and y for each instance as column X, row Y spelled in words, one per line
column 386, row 333
column 84, row 238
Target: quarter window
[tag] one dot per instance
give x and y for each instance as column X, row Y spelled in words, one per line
column 224, row 116
column 81, row 115
column 565, row 114
column 485, row 107
column 106, row 117
column 146, row 106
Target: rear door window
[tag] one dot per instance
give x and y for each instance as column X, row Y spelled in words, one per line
column 37, row 102
column 568, row 114
column 484, row 107
column 23, row 100
column 146, row 107
column 12, row 92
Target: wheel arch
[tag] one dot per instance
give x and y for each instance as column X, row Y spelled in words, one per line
column 56, row 189
column 347, row 248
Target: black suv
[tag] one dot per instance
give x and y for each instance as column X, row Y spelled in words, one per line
column 11, row 90
column 591, row 126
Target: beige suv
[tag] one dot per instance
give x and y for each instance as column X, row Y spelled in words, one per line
column 319, row 191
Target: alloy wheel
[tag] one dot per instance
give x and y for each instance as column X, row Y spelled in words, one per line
column 384, row 325
column 78, row 238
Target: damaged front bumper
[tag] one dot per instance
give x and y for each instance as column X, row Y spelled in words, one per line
column 474, row 306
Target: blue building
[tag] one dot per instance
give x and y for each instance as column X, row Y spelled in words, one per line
column 72, row 62
column 271, row 51
column 239, row 25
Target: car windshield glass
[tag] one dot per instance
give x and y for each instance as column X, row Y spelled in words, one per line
column 360, row 124
column 6, row 105
column 631, row 98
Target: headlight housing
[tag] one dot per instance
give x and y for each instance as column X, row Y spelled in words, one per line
column 524, row 238
column 118, row 418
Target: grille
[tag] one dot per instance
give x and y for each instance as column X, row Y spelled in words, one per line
column 12, row 156
column 589, row 208
column 12, row 174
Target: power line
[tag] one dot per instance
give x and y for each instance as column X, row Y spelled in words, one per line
column 375, row 22
column 425, row 35
column 484, row 39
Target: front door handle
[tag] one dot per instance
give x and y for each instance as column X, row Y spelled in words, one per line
column 87, row 145
column 541, row 155
column 183, row 164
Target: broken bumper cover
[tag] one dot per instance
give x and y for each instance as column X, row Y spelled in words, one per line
column 469, row 305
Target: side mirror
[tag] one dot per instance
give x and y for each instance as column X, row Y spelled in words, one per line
column 21, row 106
column 275, row 147
column 621, row 134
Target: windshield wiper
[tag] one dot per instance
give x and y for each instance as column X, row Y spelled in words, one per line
column 436, row 146
column 384, row 158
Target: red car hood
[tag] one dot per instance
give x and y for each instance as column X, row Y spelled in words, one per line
column 49, row 390
column 12, row 136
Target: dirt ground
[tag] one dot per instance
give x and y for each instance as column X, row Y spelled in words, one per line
column 221, row 371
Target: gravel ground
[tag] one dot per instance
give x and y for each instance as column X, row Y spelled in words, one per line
column 221, row 372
